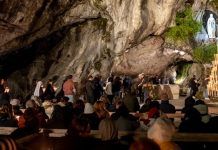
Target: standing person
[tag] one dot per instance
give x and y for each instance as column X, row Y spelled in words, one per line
column 90, row 90
column 2, row 89
column 140, row 94
column 98, row 89
column 193, row 85
column 38, row 92
column 205, row 82
column 165, row 106
column 32, row 89
column 127, row 83
column 108, row 90
column 49, row 90
column 116, row 86
column 69, row 88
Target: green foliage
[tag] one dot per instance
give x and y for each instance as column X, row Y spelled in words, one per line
column 183, row 70
column 205, row 53
column 185, row 29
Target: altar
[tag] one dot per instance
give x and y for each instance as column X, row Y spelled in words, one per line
column 172, row 90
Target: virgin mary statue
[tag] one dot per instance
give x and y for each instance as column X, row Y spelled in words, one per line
column 211, row 27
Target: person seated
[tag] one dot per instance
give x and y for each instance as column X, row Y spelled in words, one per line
column 189, row 103
column 192, row 122
column 6, row 117
column 165, row 106
column 77, row 137
column 161, row 132
column 57, row 118
column 108, row 130
column 145, row 107
column 100, row 112
column 27, row 124
column 125, row 121
column 78, row 108
column 212, row 125
column 131, row 102
column 203, row 109
column 63, row 101
column 144, row 144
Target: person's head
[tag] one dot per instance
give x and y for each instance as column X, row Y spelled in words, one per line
column 99, row 106
column 64, row 99
column 189, row 101
column 110, row 79
column 6, row 110
column 123, row 111
column 100, row 109
column 141, row 76
column 69, row 77
column 30, row 119
column 7, row 143
column 162, row 130
column 2, row 81
column 104, row 99
column 50, row 81
column 108, row 130
column 31, row 104
column 39, row 84
column 118, row 103
column 79, row 127
column 17, row 111
column 155, row 104
column 194, row 77
column 164, row 97
column 79, row 107
column 144, row 144
column 15, row 102
column 90, row 77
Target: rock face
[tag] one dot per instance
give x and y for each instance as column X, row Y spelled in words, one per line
column 53, row 38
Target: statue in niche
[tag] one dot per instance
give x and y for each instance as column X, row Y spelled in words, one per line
column 211, row 27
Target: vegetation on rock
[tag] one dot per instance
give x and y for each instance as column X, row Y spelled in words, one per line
column 185, row 29
column 204, row 54
column 183, row 70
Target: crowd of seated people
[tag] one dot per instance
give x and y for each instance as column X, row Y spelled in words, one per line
column 108, row 116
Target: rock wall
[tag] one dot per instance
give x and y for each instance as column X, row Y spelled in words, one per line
column 55, row 38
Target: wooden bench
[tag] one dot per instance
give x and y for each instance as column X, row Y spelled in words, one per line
column 178, row 137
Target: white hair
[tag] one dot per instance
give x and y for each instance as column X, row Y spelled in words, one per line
column 162, row 130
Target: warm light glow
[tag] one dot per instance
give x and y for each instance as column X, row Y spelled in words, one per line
column 55, row 88
column 180, row 80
